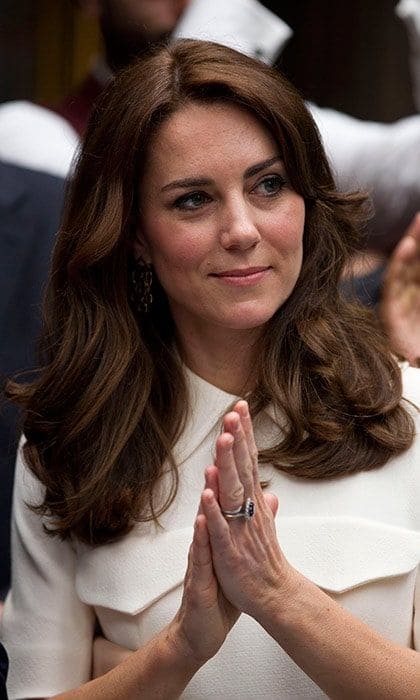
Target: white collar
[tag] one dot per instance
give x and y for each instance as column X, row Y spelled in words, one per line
column 207, row 406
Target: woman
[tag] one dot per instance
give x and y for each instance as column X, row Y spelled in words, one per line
column 198, row 263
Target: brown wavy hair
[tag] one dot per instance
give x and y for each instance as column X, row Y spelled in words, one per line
column 108, row 404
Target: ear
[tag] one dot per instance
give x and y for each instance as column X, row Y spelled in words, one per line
column 141, row 248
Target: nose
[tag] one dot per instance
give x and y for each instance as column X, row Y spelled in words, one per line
column 238, row 228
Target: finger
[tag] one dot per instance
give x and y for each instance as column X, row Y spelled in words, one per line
column 231, row 490
column 241, row 454
column 217, row 527
column 201, row 553
column 210, row 482
column 407, row 250
column 243, row 409
column 211, row 479
column 200, row 570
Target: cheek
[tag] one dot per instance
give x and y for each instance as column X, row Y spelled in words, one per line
column 287, row 231
column 176, row 249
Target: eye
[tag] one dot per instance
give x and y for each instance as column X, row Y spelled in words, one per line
column 191, row 201
column 271, row 185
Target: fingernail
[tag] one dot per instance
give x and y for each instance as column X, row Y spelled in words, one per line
column 243, row 407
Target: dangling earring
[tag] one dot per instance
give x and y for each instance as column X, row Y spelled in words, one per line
column 141, row 279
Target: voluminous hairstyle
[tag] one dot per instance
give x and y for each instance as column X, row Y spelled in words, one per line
column 110, row 399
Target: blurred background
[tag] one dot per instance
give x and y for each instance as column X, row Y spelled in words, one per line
column 352, row 56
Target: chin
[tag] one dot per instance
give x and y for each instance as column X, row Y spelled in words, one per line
column 249, row 319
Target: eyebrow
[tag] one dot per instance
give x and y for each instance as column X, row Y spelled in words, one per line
column 204, row 181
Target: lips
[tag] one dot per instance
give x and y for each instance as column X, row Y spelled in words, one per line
column 241, row 272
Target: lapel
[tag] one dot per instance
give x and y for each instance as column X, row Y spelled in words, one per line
column 208, row 405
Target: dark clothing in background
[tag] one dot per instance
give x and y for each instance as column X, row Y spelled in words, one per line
column 4, row 665
column 30, row 209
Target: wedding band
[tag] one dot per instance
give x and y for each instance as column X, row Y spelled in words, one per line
column 246, row 510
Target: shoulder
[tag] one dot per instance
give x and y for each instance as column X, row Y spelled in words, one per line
column 28, row 489
column 16, row 180
column 31, row 205
column 35, row 137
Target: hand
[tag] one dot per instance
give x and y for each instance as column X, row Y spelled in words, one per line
column 205, row 616
column 400, row 306
column 247, row 558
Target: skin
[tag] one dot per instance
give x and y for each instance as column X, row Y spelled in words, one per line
column 234, row 219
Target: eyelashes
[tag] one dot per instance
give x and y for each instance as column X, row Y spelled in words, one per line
column 271, row 185
column 268, row 186
column 192, row 201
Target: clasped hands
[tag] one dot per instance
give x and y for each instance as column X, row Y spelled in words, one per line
column 236, row 565
column 233, row 566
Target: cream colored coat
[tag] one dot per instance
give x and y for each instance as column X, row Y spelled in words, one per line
column 358, row 537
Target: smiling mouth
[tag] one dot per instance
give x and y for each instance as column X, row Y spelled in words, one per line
column 242, row 272
column 242, row 277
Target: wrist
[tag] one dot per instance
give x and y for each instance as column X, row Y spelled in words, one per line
column 283, row 605
column 179, row 646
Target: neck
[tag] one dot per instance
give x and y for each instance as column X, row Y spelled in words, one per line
column 223, row 358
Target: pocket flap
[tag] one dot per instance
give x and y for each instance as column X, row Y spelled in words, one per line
column 340, row 553
column 335, row 553
column 133, row 573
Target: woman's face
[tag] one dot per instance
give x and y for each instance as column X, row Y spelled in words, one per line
column 219, row 220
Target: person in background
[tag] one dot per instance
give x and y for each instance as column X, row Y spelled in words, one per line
column 198, row 265
column 409, row 12
column 30, row 210
column 129, row 28
column 35, row 138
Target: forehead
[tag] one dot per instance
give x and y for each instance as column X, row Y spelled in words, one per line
column 200, row 133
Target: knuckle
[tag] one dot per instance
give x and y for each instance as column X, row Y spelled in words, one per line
column 235, row 498
column 237, row 493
